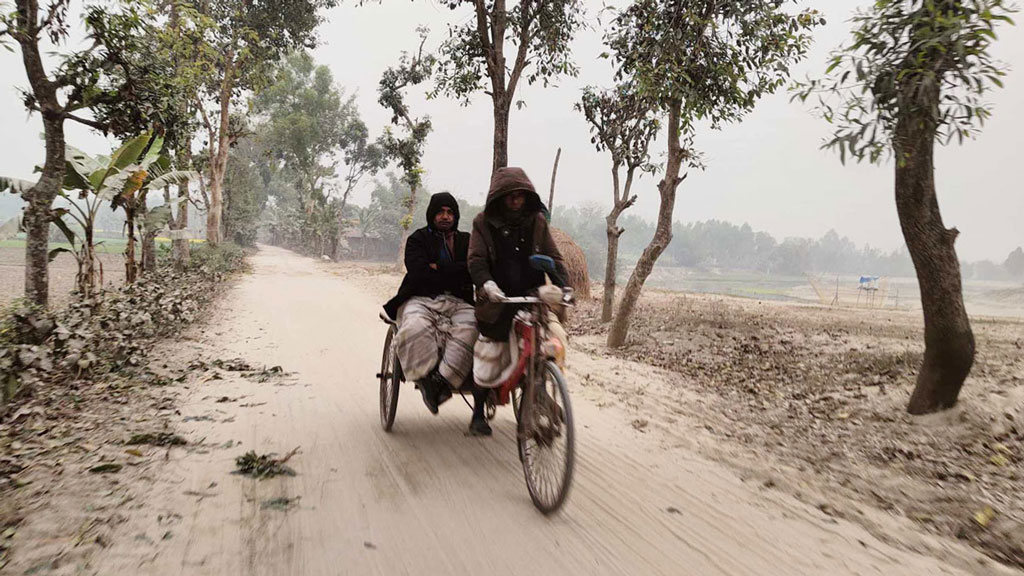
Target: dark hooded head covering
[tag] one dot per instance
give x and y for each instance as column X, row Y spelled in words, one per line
column 507, row 180
column 441, row 200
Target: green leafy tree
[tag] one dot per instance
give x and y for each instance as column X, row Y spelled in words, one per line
column 412, row 69
column 307, row 124
column 181, row 41
column 916, row 73
column 625, row 125
column 65, row 91
column 249, row 182
column 305, row 120
column 362, row 158
column 162, row 91
column 247, row 39
column 366, row 219
column 1015, row 262
column 703, row 60
column 498, row 44
column 389, row 203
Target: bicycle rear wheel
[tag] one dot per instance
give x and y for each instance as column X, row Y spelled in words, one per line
column 547, row 440
column 390, row 378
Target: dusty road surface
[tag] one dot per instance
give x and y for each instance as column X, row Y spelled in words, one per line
column 427, row 499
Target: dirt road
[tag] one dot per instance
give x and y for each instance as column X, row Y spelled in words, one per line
column 426, row 499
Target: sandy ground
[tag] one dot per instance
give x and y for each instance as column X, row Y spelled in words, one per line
column 425, row 499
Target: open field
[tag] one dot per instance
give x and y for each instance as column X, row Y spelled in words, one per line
column 63, row 269
column 982, row 298
column 62, row 272
column 813, row 399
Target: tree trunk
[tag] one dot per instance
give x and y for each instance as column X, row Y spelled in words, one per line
column 37, row 215
column 149, row 251
column 36, row 221
column 87, row 280
column 608, row 302
column 344, row 204
column 218, row 163
column 622, row 201
column 341, row 224
column 130, row 266
column 147, row 239
column 179, row 222
column 214, row 214
column 949, row 342
column 405, row 230
column 401, row 250
column 180, row 244
column 662, row 234
column 501, row 115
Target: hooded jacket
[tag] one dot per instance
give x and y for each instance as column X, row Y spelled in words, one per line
column 423, row 248
column 500, row 247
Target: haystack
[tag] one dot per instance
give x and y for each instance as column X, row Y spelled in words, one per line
column 575, row 263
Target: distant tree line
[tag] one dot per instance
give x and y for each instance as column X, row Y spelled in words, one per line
column 714, row 244
column 707, row 245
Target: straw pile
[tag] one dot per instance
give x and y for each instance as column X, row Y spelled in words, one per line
column 575, row 263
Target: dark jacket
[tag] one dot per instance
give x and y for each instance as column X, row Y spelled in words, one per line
column 424, row 248
column 500, row 247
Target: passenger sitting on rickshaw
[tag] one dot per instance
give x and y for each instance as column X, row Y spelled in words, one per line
column 434, row 307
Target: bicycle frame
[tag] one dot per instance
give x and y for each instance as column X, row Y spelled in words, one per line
column 526, row 331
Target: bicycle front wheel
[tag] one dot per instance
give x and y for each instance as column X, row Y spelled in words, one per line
column 547, row 440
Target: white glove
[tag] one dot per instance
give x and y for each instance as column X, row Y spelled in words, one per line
column 568, row 295
column 494, row 294
column 550, row 295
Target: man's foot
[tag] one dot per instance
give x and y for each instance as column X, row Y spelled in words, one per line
column 435, row 390
column 478, row 426
column 444, row 395
column 429, row 389
column 444, row 389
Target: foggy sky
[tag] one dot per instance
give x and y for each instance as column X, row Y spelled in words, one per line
column 767, row 171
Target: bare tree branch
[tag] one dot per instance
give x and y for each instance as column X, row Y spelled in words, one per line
column 102, row 127
column 485, row 41
column 524, row 44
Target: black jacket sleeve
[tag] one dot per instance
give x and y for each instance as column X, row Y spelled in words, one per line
column 417, row 256
column 479, row 264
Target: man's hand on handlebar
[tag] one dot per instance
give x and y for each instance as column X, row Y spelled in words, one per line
column 555, row 296
column 493, row 293
column 568, row 295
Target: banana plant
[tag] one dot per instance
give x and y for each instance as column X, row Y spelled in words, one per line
column 123, row 179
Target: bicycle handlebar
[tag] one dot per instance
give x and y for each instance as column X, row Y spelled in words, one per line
column 520, row 300
column 528, row 300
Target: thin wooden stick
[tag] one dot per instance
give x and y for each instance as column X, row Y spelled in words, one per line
column 554, row 172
